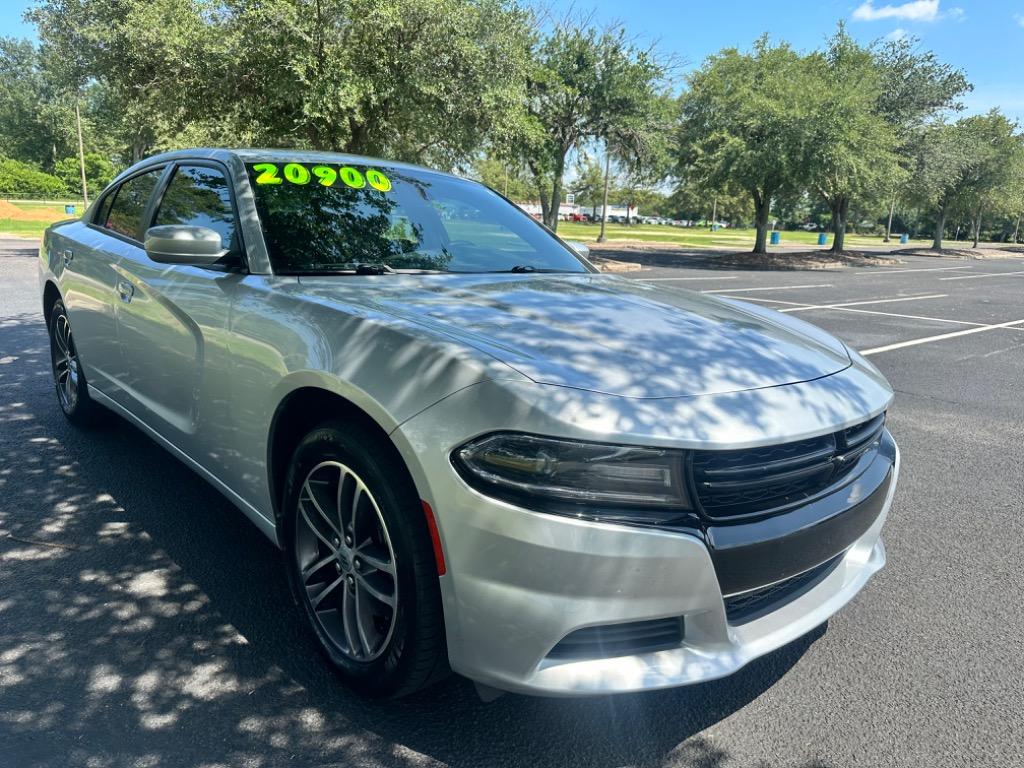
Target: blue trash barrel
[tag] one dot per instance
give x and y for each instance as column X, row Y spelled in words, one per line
column 776, row 238
column 904, row 239
column 822, row 238
column 714, row 227
column 69, row 210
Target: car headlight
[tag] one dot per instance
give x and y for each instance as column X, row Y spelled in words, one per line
column 597, row 480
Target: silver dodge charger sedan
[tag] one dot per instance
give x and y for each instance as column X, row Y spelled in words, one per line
column 476, row 452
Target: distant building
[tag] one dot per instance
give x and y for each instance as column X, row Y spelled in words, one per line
column 621, row 211
column 568, row 210
column 565, row 210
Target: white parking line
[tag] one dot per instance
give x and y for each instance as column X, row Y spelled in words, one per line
column 660, row 279
column 909, row 317
column 940, row 337
column 987, row 274
column 804, row 308
column 883, row 271
column 759, row 300
column 800, row 306
column 772, row 288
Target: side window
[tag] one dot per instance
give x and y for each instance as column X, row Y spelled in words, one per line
column 199, row 196
column 103, row 209
column 129, row 204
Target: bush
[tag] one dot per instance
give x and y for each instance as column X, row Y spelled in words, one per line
column 98, row 173
column 19, row 179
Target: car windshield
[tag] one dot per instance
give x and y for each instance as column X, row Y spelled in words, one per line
column 322, row 218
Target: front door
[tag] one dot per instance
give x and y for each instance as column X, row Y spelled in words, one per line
column 173, row 319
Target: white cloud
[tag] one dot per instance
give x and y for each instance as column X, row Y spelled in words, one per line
column 897, row 34
column 1019, row 18
column 917, row 10
column 956, row 14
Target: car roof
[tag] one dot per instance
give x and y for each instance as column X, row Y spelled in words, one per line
column 250, row 155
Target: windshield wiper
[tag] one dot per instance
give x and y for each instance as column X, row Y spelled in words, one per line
column 372, row 269
column 528, row 268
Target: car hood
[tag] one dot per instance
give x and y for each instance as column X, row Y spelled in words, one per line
column 601, row 332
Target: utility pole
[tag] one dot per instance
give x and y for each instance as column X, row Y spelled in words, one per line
column 604, row 210
column 505, row 193
column 81, row 152
column 1016, row 229
column 714, row 211
column 888, row 227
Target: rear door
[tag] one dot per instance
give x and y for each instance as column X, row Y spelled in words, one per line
column 173, row 318
column 89, row 279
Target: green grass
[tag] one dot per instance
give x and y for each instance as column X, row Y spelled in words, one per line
column 37, row 217
column 23, row 228
column 741, row 239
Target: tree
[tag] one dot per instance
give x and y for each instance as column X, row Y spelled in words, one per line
column 742, row 127
column 588, row 186
column 420, row 80
column 584, row 85
column 98, row 172
column 850, row 146
column 915, row 89
column 509, row 178
column 994, row 152
column 938, row 164
column 962, row 168
column 35, row 124
column 19, row 179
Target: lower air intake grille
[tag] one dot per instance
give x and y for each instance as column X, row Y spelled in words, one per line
column 613, row 640
column 733, row 484
column 750, row 605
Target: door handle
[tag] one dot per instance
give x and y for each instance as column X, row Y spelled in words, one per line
column 125, row 290
column 68, row 255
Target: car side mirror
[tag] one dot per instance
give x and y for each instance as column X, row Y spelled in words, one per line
column 184, row 244
column 580, row 248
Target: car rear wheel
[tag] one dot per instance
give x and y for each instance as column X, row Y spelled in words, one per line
column 68, row 377
column 360, row 562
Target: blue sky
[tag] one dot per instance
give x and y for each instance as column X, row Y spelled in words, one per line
column 984, row 37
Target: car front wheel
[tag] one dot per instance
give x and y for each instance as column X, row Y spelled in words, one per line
column 360, row 562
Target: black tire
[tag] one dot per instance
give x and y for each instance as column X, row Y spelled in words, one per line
column 70, row 385
column 415, row 655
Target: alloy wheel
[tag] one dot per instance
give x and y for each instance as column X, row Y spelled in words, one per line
column 346, row 562
column 65, row 363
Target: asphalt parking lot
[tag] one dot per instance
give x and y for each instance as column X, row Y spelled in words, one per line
column 144, row 622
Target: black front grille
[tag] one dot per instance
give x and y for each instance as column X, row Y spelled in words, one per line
column 731, row 484
column 613, row 640
column 750, row 605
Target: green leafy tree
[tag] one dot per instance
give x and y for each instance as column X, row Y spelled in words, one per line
column 964, row 168
column 991, row 183
column 588, row 186
column 36, row 125
column 510, row 178
column 98, row 172
column 916, row 88
column 938, row 166
column 421, row 80
column 585, row 84
column 851, row 149
column 743, row 126
column 23, row 180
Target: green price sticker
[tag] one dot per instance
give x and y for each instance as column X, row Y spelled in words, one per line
column 325, row 175
column 296, row 174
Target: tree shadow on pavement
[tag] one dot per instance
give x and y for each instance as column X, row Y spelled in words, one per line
column 144, row 621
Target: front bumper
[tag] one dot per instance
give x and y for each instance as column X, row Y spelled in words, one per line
column 519, row 582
